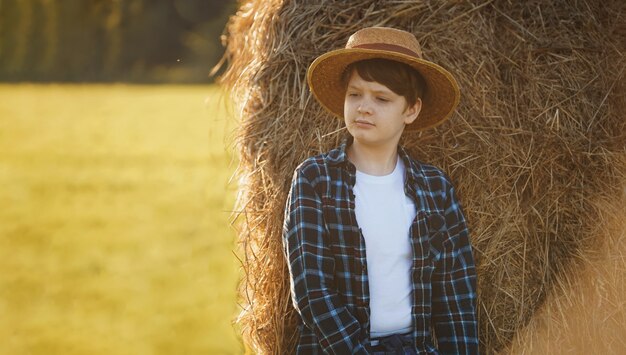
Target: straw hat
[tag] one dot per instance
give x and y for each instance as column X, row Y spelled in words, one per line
column 324, row 74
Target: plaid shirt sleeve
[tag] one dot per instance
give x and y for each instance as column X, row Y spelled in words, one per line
column 454, row 285
column 311, row 269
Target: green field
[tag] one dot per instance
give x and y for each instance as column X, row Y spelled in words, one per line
column 114, row 235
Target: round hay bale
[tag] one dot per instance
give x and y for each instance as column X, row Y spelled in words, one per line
column 538, row 135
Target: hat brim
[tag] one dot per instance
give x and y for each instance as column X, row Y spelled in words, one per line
column 440, row 99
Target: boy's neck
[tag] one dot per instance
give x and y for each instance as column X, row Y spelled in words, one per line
column 373, row 160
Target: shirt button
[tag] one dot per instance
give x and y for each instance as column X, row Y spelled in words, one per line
column 363, row 267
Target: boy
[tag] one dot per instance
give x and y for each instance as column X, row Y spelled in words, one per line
column 376, row 242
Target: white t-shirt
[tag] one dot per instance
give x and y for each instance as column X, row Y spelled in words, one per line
column 384, row 214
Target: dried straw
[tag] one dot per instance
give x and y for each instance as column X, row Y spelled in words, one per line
column 538, row 136
column 585, row 313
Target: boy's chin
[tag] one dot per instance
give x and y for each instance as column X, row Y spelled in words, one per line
column 369, row 138
column 359, row 134
column 365, row 138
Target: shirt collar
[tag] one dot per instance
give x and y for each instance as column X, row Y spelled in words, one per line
column 338, row 156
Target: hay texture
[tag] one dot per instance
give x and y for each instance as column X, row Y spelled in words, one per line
column 537, row 140
column 585, row 312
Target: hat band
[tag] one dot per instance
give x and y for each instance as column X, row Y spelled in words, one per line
column 388, row 47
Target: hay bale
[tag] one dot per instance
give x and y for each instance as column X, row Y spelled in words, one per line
column 586, row 313
column 537, row 135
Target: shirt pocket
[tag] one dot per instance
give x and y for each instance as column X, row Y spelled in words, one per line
column 437, row 234
column 338, row 218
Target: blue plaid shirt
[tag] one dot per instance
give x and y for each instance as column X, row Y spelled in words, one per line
column 326, row 256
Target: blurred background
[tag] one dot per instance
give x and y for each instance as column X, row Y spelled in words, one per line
column 115, row 192
column 149, row 41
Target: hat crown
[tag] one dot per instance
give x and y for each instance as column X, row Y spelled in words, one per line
column 385, row 38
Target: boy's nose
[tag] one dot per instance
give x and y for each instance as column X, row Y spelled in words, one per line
column 363, row 108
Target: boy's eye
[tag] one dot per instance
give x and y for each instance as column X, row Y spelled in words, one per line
column 353, row 94
column 382, row 99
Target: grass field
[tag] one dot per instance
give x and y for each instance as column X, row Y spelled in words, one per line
column 114, row 234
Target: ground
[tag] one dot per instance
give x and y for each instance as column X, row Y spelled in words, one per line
column 114, row 234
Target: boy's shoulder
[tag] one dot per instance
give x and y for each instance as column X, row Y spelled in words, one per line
column 434, row 173
column 317, row 165
column 420, row 168
column 427, row 168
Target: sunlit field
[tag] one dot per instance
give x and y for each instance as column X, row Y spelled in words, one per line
column 114, row 234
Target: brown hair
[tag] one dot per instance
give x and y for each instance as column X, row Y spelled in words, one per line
column 398, row 77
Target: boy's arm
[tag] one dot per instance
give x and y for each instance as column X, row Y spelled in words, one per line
column 454, row 286
column 311, row 269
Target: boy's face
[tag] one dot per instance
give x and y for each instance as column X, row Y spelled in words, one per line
column 374, row 114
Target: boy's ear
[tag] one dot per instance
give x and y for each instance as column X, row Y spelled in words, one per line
column 411, row 113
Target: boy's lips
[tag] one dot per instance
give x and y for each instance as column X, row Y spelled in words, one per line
column 363, row 122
